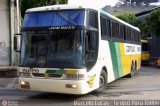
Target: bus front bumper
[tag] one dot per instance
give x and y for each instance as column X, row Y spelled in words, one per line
column 55, row 86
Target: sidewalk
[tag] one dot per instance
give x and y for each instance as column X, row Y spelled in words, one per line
column 8, row 83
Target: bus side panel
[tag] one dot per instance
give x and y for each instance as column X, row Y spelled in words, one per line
column 116, row 59
column 105, row 59
column 129, row 55
column 126, row 60
column 122, row 58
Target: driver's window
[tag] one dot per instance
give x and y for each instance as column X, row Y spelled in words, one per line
column 91, row 48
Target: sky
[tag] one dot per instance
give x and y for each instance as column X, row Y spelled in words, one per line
column 93, row 2
column 111, row 2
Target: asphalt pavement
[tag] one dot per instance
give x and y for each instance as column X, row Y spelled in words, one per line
column 141, row 90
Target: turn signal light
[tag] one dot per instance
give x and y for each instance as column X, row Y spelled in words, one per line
column 24, row 85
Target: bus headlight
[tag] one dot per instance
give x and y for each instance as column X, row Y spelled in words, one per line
column 75, row 76
column 24, row 85
column 71, row 76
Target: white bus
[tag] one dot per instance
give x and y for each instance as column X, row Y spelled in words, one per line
column 75, row 49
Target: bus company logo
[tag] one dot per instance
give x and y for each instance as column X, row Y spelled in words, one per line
column 62, row 27
column 130, row 48
column 30, row 70
column 91, row 81
column 4, row 103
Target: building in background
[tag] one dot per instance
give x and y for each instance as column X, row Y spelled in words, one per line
column 139, row 2
column 132, row 6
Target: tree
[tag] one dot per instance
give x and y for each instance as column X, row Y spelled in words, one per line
column 129, row 18
column 25, row 4
column 133, row 20
column 153, row 22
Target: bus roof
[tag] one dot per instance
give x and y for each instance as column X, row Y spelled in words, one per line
column 68, row 6
column 59, row 7
column 74, row 4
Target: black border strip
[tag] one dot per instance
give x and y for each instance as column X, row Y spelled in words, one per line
column 59, row 28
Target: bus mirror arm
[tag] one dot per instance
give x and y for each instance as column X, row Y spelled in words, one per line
column 17, row 42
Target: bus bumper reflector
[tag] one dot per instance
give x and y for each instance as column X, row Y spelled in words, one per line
column 25, row 84
column 71, row 86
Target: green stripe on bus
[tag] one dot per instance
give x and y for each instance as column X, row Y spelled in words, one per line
column 116, row 59
column 119, row 59
column 55, row 71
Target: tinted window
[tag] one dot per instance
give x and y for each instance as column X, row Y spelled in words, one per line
column 91, row 49
column 115, row 30
column 105, row 27
column 93, row 19
column 128, row 34
column 122, row 32
column 132, row 35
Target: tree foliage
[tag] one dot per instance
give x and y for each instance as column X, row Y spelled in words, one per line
column 129, row 18
column 152, row 23
column 25, row 4
column 148, row 26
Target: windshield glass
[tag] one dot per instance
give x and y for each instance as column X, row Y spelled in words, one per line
column 54, row 18
column 58, row 49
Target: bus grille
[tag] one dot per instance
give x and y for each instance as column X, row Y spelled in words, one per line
column 49, row 75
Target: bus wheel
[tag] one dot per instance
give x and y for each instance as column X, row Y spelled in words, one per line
column 102, row 82
column 132, row 72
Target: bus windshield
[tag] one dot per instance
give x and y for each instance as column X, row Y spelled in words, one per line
column 60, row 39
column 54, row 18
column 58, row 49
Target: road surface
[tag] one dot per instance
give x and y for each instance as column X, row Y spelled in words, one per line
column 142, row 89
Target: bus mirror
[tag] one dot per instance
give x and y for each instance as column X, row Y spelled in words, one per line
column 17, row 42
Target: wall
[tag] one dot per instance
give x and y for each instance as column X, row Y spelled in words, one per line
column 4, row 34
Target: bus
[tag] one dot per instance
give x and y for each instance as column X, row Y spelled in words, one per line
column 145, row 56
column 75, row 49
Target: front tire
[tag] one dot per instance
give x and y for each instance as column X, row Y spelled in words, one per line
column 103, row 81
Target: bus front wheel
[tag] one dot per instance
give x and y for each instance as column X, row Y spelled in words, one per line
column 102, row 82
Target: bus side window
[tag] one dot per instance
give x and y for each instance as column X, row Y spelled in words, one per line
column 125, row 34
column 122, row 32
column 105, row 27
column 128, row 34
column 115, row 30
column 132, row 35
